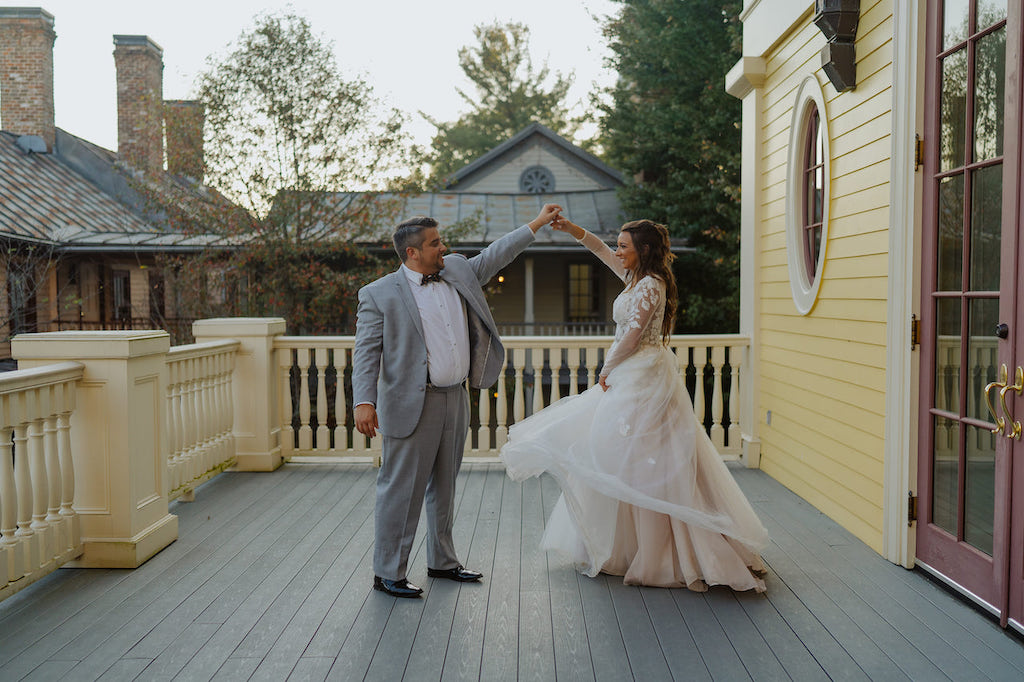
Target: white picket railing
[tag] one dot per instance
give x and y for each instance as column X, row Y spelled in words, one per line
column 39, row 529
column 200, row 414
column 316, row 417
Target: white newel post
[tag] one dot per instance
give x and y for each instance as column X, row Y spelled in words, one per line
column 254, row 387
column 119, row 432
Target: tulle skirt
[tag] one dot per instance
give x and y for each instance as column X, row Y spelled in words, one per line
column 645, row 494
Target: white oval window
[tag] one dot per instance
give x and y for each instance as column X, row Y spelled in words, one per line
column 807, row 195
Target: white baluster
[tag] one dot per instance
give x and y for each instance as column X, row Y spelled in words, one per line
column 305, row 431
column 700, row 359
column 735, row 360
column 483, row 434
column 67, row 469
column 717, row 432
column 591, row 366
column 53, row 487
column 8, row 508
column 501, row 411
column 206, row 406
column 537, row 365
column 340, row 428
column 174, row 424
column 573, row 360
column 284, row 358
column 518, row 402
column 192, row 417
column 323, row 434
column 23, row 484
column 40, row 489
column 227, row 401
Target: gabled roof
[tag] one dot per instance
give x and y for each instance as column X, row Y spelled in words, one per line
column 79, row 198
column 490, row 216
column 487, row 217
column 594, row 167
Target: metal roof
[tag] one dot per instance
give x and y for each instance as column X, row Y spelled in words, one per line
column 79, row 201
column 498, row 214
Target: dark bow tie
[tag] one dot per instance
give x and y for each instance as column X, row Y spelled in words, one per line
column 427, row 279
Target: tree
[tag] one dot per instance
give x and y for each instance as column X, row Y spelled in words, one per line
column 289, row 139
column 510, row 94
column 26, row 269
column 669, row 124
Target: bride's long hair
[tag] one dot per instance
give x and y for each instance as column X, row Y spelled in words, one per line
column 650, row 239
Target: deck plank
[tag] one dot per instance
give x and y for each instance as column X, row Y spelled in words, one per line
column 572, row 648
column 429, row 641
column 643, row 650
column 500, row 659
column 271, row 579
column 463, row 658
column 536, row 640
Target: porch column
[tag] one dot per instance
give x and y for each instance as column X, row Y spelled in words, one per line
column 744, row 81
column 254, row 387
column 119, row 431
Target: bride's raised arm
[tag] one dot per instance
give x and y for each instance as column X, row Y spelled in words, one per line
column 592, row 242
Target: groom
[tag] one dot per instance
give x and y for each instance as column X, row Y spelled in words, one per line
column 421, row 331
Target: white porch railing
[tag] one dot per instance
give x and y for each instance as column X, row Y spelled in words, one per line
column 39, row 529
column 200, row 414
column 152, row 422
column 316, row 417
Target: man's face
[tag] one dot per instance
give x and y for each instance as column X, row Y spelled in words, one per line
column 430, row 255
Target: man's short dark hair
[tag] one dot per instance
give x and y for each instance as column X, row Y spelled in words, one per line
column 410, row 233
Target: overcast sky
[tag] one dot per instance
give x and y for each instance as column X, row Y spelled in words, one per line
column 406, row 49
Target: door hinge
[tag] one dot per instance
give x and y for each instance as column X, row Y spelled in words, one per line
column 911, row 507
column 915, row 332
column 918, row 151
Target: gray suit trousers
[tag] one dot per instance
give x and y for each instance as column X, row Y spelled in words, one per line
column 422, row 465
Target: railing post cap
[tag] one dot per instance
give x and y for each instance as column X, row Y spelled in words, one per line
column 238, row 326
column 80, row 345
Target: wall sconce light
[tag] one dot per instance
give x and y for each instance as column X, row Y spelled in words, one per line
column 837, row 20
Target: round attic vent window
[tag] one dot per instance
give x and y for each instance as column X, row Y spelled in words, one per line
column 537, row 180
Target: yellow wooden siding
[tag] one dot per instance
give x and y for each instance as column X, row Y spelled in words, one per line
column 822, row 375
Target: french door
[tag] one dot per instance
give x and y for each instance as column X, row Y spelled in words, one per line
column 971, row 460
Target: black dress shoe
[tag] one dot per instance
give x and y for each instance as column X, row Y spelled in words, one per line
column 460, row 574
column 396, row 588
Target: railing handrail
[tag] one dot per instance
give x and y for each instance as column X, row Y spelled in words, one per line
column 37, row 377
column 736, row 340
column 192, row 350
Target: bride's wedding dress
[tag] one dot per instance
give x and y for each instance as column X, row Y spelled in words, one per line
column 645, row 495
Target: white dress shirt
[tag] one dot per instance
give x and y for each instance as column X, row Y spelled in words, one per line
column 445, row 330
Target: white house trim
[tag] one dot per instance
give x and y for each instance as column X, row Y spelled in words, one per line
column 773, row 20
column 901, row 414
column 745, row 81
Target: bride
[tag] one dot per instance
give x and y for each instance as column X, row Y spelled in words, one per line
column 645, row 494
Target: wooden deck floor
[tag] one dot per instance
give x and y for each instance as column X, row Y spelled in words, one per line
column 270, row 580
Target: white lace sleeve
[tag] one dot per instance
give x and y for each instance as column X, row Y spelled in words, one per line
column 604, row 252
column 647, row 299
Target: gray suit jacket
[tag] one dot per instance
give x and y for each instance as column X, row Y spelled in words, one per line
column 389, row 362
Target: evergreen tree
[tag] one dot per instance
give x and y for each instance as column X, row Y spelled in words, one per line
column 671, row 127
column 510, row 94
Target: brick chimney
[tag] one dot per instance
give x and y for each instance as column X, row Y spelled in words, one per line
column 26, row 72
column 183, row 123
column 140, row 70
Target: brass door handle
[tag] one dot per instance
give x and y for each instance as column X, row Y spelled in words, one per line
column 1015, row 425
column 1000, row 422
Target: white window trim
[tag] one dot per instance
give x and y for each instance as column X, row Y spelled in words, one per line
column 804, row 287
